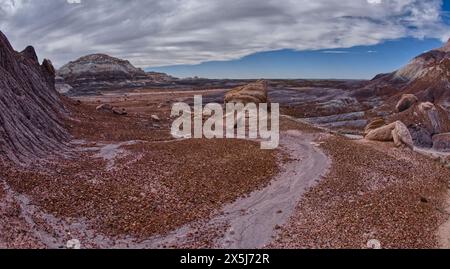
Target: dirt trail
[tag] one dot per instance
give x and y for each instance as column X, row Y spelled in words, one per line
column 443, row 233
column 249, row 222
column 253, row 221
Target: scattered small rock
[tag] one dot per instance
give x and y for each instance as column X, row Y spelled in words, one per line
column 73, row 244
column 156, row 118
column 120, row 112
column 104, row 107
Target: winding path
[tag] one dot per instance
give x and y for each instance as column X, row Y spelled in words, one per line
column 251, row 222
column 272, row 206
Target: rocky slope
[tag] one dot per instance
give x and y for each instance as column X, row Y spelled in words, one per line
column 30, row 108
column 103, row 72
column 417, row 95
column 427, row 76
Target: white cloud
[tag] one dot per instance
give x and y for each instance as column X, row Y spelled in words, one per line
column 166, row 32
column 335, row 52
column 374, row 2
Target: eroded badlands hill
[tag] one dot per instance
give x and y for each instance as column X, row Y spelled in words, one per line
column 427, row 76
column 30, row 108
column 100, row 71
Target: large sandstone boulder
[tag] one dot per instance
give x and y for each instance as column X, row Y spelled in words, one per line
column 31, row 110
column 375, row 124
column 396, row 132
column 441, row 142
column 402, row 135
column 407, row 101
column 250, row 93
column 424, row 120
column 383, row 133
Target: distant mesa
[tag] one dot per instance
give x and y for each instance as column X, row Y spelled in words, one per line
column 108, row 66
column 427, row 76
column 102, row 72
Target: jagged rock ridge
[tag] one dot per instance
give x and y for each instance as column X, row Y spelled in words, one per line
column 30, row 108
column 103, row 72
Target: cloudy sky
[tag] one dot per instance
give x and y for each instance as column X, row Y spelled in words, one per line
column 233, row 38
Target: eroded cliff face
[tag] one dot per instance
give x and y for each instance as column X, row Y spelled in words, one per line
column 31, row 110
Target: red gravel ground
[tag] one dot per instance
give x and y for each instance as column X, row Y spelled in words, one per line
column 154, row 187
column 373, row 191
column 14, row 232
column 88, row 124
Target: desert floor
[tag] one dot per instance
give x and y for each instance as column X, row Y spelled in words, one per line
column 130, row 184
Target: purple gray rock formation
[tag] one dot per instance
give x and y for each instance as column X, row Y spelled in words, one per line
column 102, row 72
column 31, row 110
column 441, row 142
